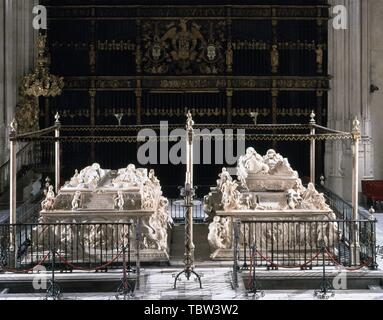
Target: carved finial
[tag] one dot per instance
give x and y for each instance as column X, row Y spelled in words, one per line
column 371, row 212
column 254, row 115
column 322, row 179
column 356, row 125
column 57, row 118
column 13, row 126
column 312, row 117
column 189, row 121
column 355, row 129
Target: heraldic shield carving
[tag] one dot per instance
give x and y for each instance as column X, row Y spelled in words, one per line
column 183, row 47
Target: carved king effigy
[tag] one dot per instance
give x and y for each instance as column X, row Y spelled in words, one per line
column 96, row 195
column 267, row 189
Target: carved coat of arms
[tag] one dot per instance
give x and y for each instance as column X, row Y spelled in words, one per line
column 181, row 48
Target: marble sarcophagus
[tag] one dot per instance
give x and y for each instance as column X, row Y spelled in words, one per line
column 283, row 214
column 102, row 196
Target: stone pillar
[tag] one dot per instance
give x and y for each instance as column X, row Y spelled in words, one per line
column 17, row 52
column 346, row 100
column 373, row 75
column 2, row 86
column 10, row 76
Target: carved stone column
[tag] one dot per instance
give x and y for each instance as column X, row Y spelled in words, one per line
column 346, row 100
column 2, row 85
column 17, row 52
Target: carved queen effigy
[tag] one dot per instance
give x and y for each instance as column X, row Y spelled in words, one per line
column 266, row 189
column 96, row 195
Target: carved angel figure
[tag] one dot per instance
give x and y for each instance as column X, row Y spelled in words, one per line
column 223, row 177
column 215, row 236
column 153, row 178
column 231, row 197
column 76, row 202
column 48, row 203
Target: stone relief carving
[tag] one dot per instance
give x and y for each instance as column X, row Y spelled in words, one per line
column 119, row 201
column 293, row 199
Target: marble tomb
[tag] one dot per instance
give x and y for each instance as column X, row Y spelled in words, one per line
column 97, row 195
column 266, row 189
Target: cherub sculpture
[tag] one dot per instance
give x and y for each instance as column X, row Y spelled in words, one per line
column 223, row 177
column 76, row 202
column 48, row 203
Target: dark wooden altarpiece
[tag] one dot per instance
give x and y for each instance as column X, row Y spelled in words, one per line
column 150, row 61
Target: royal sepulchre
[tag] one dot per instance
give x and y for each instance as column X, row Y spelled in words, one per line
column 267, row 189
column 109, row 199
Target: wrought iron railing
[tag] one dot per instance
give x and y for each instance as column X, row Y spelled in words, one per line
column 177, row 211
column 31, row 155
column 298, row 244
column 341, row 208
column 77, row 246
column 26, row 211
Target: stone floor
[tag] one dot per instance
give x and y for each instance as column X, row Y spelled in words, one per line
column 157, row 283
